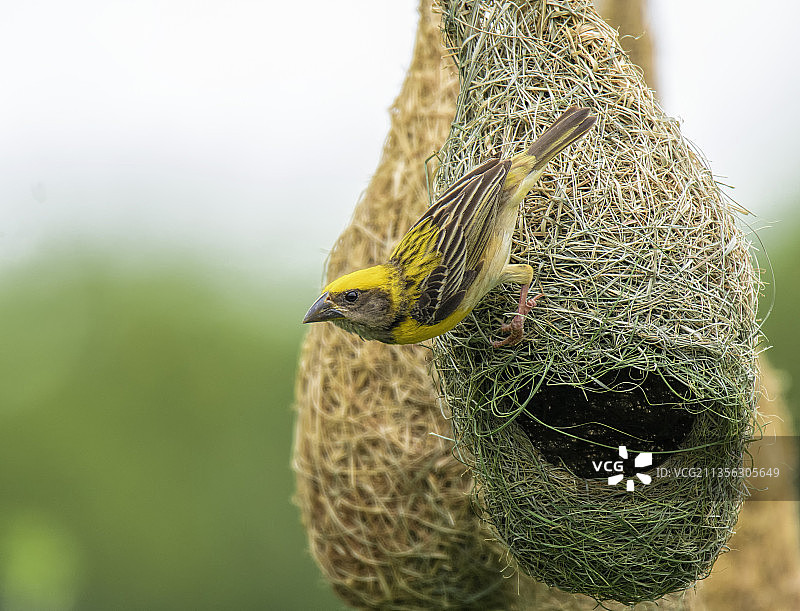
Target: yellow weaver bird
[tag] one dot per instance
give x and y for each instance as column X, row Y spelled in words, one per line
column 453, row 255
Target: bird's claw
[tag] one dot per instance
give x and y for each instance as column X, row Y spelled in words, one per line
column 531, row 303
column 515, row 329
column 515, row 332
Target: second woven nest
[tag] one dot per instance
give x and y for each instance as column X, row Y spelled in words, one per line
column 647, row 333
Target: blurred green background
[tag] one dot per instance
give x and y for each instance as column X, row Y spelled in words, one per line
column 778, row 257
column 145, row 433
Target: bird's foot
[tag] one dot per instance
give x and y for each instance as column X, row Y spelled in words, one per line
column 515, row 329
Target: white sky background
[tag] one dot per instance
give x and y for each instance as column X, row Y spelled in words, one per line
column 246, row 131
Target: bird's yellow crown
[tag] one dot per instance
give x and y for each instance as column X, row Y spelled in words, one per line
column 378, row 276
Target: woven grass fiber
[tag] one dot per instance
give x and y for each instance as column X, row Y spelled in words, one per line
column 646, row 335
column 385, row 504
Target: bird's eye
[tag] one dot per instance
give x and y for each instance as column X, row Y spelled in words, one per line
column 351, row 296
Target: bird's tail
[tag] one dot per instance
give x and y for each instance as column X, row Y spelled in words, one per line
column 527, row 168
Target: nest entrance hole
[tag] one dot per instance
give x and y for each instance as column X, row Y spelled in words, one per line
column 641, row 411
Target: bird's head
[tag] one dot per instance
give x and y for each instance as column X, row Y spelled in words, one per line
column 362, row 302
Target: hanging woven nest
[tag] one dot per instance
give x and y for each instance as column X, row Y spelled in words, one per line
column 646, row 334
column 385, row 504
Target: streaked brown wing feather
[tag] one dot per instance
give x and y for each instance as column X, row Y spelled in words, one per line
column 463, row 218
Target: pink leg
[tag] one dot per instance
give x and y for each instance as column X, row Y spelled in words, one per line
column 515, row 329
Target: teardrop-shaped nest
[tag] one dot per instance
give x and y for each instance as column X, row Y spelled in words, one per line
column 646, row 335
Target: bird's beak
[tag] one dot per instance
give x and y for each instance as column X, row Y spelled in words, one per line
column 322, row 310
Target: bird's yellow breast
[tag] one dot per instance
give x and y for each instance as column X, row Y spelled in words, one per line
column 409, row 331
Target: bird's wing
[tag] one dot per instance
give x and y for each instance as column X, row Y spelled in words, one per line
column 441, row 255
